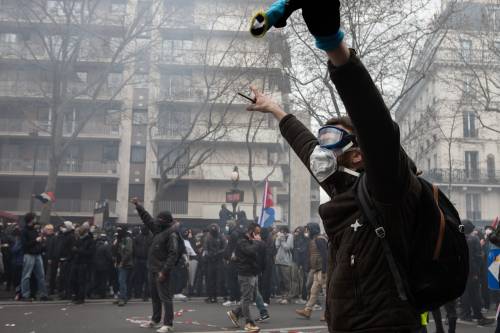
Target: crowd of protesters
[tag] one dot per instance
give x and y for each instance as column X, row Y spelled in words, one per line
column 74, row 262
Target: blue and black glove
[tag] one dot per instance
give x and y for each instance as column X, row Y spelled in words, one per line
column 276, row 16
column 323, row 22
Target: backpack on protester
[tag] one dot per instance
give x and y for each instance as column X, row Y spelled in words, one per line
column 439, row 255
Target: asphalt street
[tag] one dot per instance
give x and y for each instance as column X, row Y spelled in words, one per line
column 191, row 316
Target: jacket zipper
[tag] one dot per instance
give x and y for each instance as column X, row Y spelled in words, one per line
column 355, row 280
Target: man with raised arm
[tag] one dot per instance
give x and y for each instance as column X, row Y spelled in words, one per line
column 362, row 295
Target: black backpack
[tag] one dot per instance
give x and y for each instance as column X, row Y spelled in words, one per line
column 439, row 255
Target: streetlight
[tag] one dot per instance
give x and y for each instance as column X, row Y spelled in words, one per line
column 235, row 196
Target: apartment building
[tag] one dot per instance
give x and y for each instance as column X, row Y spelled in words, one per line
column 168, row 98
column 448, row 123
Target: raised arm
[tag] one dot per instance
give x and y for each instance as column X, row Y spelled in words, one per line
column 146, row 218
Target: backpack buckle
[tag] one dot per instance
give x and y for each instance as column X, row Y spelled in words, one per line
column 461, row 228
column 380, row 232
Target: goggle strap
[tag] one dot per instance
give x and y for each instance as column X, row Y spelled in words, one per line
column 349, row 171
column 347, row 147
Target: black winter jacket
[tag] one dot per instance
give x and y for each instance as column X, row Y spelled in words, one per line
column 361, row 292
column 65, row 243
column 84, row 250
column 214, row 247
column 28, row 239
column 164, row 250
column 103, row 258
column 475, row 255
column 246, row 253
column 141, row 247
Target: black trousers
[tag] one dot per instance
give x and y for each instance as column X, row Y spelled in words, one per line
column 52, row 275
column 215, row 278
column 79, row 280
column 471, row 299
column 233, row 286
column 141, row 285
column 64, row 284
column 161, row 295
column 451, row 314
column 101, row 278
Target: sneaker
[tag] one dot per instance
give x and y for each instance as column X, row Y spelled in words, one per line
column 121, row 303
column 283, row 302
column 229, row 303
column 266, row 305
column 251, row 327
column 180, row 297
column 151, row 324
column 165, row 329
column 233, row 318
column 300, row 301
column 485, row 321
column 263, row 318
column 317, row 307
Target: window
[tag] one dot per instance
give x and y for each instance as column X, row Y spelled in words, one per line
column 112, row 119
column 175, row 159
column 118, row 8
column 139, row 117
column 465, row 50
column 115, row 80
column 469, row 119
column 490, row 166
column 138, row 155
column 471, row 164
column 176, row 50
column 173, row 123
column 141, row 80
column 9, row 38
column 473, row 206
column 177, row 86
column 82, row 77
column 55, row 8
column 110, row 153
column 468, row 85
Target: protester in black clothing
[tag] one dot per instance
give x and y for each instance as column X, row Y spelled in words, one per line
column 224, row 216
column 213, row 251
column 265, row 278
column 163, row 255
column 65, row 242
column 124, row 262
column 248, row 247
column 471, row 300
column 51, row 256
column 142, row 242
column 103, row 266
column 300, row 258
column 366, row 142
column 83, row 251
column 234, row 233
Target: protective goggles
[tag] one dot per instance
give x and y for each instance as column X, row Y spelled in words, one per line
column 332, row 137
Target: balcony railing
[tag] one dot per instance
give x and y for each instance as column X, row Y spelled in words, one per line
column 475, row 56
column 61, row 205
column 463, row 176
column 175, row 207
column 17, row 126
column 68, row 166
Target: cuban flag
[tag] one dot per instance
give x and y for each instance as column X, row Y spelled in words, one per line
column 267, row 214
column 46, row 197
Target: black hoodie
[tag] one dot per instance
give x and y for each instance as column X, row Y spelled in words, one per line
column 28, row 239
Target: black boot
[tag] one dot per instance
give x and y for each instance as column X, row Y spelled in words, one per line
column 452, row 325
column 438, row 320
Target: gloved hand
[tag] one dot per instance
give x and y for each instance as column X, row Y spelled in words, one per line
column 275, row 16
column 323, row 22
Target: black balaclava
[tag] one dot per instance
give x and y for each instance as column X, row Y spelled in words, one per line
column 165, row 220
column 214, row 230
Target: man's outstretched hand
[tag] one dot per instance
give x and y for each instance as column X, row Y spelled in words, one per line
column 134, row 201
column 265, row 104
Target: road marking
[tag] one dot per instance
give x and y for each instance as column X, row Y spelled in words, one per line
column 287, row 329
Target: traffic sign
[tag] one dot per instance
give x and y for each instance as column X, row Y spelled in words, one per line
column 493, row 269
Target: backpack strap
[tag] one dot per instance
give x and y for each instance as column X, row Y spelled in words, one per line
column 442, row 224
column 369, row 211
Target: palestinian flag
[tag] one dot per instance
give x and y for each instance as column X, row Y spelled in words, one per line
column 46, row 197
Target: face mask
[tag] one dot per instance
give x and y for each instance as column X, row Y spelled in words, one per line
column 227, row 229
column 323, row 163
column 306, row 234
column 488, row 232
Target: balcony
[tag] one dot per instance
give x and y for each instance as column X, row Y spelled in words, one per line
column 175, row 207
column 222, row 172
column 22, row 127
column 68, row 168
column 462, row 176
column 467, row 57
column 61, row 206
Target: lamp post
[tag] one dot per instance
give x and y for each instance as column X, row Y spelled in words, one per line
column 235, row 178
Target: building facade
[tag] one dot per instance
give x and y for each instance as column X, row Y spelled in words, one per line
column 449, row 121
column 151, row 113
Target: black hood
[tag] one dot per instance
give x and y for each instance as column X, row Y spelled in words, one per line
column 214, row 230
column 165, row 220
column 314, row 229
